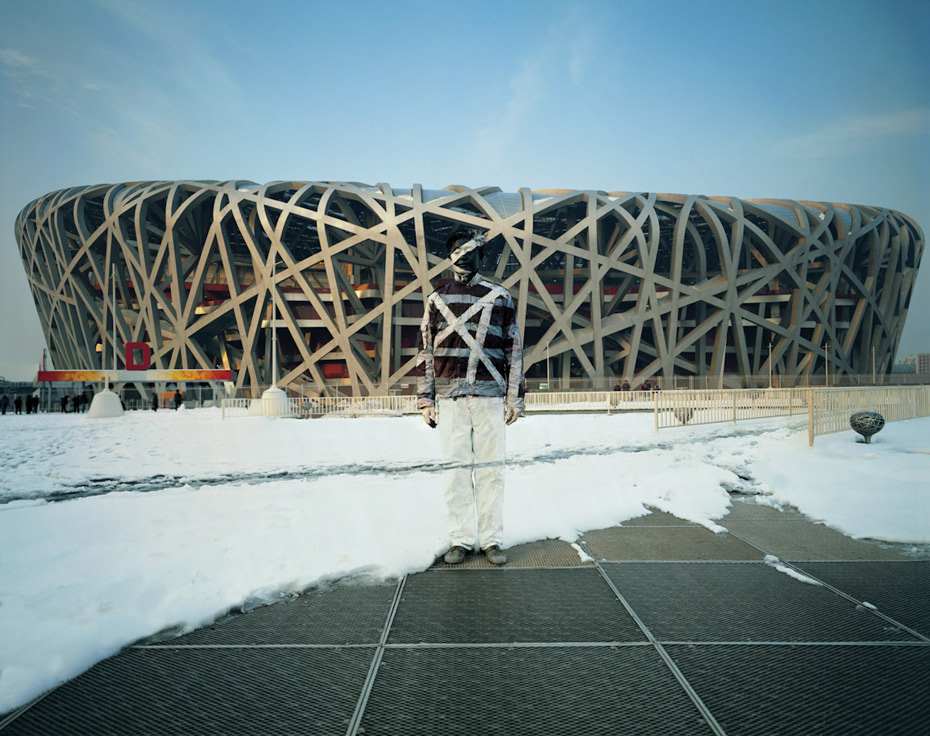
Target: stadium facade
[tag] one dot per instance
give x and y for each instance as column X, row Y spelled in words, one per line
column 607, row 284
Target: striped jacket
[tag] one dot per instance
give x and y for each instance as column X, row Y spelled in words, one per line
column 470, row 344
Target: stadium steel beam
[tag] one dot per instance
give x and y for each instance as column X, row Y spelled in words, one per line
column 606, row 284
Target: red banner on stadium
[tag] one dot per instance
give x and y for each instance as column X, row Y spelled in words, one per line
column 147, row 376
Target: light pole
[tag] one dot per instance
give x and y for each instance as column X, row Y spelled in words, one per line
column 274, row 400
column 770, row 362
column 113, row 313
column 106, row 403
column 826, row 353
column 548, row 378
column 274, row 323
column 873, row 365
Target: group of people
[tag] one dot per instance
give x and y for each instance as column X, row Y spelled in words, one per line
column 178, row 400
column 644, row 386
column 74, row 404
column 78, row 403
column 31, row 404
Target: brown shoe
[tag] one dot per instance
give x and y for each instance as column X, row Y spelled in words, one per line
column 455, row 556
column 494, row 555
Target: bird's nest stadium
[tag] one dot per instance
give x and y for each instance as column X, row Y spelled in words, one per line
column 608, row 285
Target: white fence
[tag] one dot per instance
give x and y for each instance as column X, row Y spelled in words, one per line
column 589, row 401
column 675, row 408
column 308, row 407
column 830, row 408
column 355, row 406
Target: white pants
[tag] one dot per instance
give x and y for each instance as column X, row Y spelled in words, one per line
column 472, row 432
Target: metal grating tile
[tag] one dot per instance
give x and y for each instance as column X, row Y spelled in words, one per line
column 900, row 590
column 619, row 544
column 802, row 539
column 206, row 691
column 544, row 553
column 752, row 511
column 823, row 690
column 658, row 518
column 486, row 606
column 340, row 614
column 528, row 691
column 748, row 602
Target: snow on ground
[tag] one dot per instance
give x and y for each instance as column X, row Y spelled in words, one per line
column 114, row 530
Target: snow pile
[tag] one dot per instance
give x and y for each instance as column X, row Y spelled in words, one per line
column 174, row 518
column 877, row 491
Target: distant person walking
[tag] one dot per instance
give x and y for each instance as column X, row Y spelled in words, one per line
column 178, row 400
column 4, row 403
column 18, row 404
column 154, row 402
column 64, row 404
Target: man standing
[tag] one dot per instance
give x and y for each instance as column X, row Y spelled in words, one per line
column 471, row 360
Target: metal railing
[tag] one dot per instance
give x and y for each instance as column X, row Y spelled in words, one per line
column 830, row 408
column 318, row 406
column 729, row 382
column 676, row 408
column 310, row 407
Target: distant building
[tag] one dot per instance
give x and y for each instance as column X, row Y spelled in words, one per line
column 635, row 285
column 923, row 364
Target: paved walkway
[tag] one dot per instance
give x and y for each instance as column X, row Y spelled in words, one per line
column 668, row 629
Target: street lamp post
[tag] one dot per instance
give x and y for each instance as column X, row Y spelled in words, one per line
column 826, row 353
column 770, row 362
column 113, row 314
column 106, row 403
column 274, row 400
column 274, row 323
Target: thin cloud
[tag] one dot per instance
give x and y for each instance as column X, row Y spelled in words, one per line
column 566, row 48
column 170, row 30
column 18, row 60
column 526, row 90
column 852, row 134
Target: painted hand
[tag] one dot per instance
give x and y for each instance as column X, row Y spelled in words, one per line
column 429, row 415
column 510, row 414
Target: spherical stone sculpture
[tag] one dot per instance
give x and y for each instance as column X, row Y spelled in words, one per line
column 867, row 423
column 683, row 414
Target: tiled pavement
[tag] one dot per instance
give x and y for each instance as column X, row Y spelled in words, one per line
column 667, row 629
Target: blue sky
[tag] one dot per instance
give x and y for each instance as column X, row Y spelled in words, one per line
column 824, row 100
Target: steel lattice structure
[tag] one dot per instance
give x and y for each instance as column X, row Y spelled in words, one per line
column 633, row 285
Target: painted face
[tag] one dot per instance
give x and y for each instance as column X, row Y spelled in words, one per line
column 466, row 259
